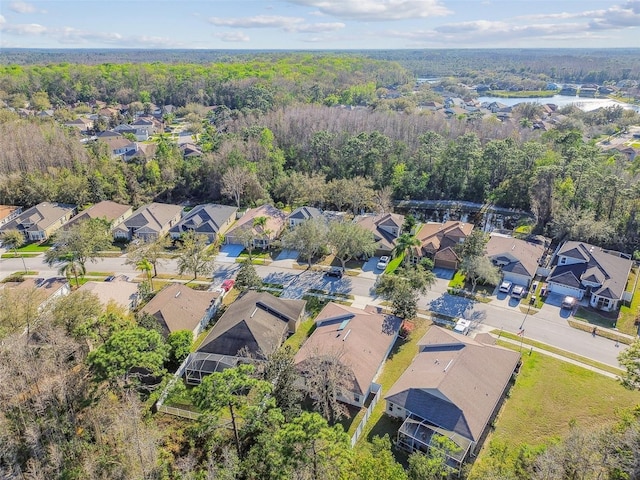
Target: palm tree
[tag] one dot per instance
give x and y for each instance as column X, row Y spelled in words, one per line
column 145, row 265
column 14, row 239
column 72, row 266
column 404, row 245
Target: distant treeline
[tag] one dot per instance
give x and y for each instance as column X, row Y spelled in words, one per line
column 562, row 65
column 255, row 82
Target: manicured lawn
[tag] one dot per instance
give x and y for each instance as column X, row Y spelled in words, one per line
column 550, row 395
column 19, row 255
column 627, row 316
column 34, row 248
column 587, row 361
column 400, row 358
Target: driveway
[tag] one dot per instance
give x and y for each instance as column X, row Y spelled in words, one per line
column 444, row 273
column 229, row 253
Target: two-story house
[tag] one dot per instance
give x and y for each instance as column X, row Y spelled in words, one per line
column 584, row 270
column 438, row 242
column 386, row 229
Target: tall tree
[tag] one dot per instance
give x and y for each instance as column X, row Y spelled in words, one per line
column 629, row 359
column 230, row 390
column 154, row 252
column 81, row 243
column 308, row 239
column 327, row 378
column 349, row 240
column 194, row 255
column 403, row 287
column 404, row 244
column 13, row 239
column 127, row 353
column 247, row 277
column 145, row 266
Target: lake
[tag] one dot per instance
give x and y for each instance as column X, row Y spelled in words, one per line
column 583, row 103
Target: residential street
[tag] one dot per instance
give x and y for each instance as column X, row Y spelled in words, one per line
column 549, row 325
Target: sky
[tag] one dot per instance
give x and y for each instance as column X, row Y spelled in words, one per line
column 319, row 24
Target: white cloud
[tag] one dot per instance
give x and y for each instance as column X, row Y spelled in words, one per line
column 259, row 21
column 287, row 24
column 378, row 10
column 24, row 7
column 69, row 35
column 232, row 36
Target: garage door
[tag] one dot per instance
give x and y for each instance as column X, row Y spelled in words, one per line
column 564, row 290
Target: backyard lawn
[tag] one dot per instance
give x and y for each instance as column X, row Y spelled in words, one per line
column 399, row 359
column 551, row 395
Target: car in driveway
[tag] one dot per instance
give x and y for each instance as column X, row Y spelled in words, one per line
column 569, row 302
column 382, row 263
column 517, row 291
column 505, row 287
column 335, row 272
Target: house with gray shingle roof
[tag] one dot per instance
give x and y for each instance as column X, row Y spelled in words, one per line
column 40, row 222
column 518, row 259
column 361, row 339
column 302, row 214
column 149, row 222
column 586, row 270
column 250, row 329
column 454, row 387
column 211, row 220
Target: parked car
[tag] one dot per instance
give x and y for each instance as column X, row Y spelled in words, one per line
column 228, row 284
column 518, row 291
column 505, row 287
column 569, row 302
column 335, row 272
column 383, row 262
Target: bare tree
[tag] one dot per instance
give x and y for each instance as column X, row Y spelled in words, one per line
column 234, row 183
column 327, row 378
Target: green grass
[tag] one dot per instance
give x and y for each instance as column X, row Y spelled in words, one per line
column 594, row 318
column 558, row 351
column 20, row 255
column 400, row 358
column 522, row 94
column 612, row 335
column 458, row 280
column 305, row 329
column 550, row 395
column 34, row 248
column 99, row 274
column 627, row 316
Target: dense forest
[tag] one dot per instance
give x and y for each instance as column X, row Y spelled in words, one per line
column 283, row 123
column 562, row 65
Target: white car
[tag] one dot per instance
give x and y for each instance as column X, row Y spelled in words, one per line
column 505, row 287
column 382, row 263
column 518, row 291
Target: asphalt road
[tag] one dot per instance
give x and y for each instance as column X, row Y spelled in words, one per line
column 549, row 325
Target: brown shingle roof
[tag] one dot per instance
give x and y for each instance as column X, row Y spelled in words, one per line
column 455, row 382
column 178, row 307
column 361, row 338
column 106, row 209
column 275, row 221
column 437, row 236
